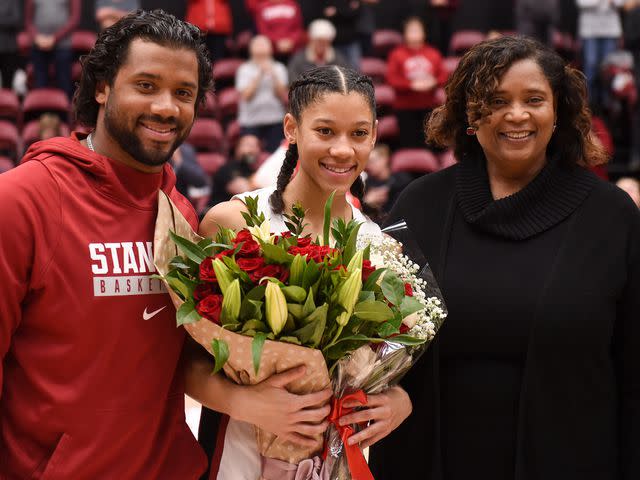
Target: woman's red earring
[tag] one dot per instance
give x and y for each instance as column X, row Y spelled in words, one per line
column 471, row 130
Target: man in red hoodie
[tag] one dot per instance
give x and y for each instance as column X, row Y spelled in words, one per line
column 91, row 378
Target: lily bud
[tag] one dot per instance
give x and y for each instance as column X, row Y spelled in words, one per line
column 356, row 261
column 223, row 275
column 350, row 290
column 343, row 319
column 294, row 293
column 296, row 273
column 231, row 302
column 263, row 232
column 276, row 307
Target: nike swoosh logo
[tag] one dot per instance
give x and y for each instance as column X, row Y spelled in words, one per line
column 148, row 316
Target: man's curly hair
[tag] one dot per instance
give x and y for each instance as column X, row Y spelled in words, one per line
column 110, row 51
column 471, row 86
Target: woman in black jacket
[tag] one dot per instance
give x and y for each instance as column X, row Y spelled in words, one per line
column 535, row 374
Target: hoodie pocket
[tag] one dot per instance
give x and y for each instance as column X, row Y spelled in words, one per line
column 58, row 456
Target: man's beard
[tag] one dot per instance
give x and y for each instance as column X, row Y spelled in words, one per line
column 130, row 142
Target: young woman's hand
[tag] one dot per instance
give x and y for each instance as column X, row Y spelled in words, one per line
column 268, row 405
column 384, row 412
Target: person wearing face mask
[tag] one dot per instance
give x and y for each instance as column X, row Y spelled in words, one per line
column 535, row 373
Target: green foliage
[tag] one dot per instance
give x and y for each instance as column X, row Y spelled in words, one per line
column 295, row 220
column 251, row 217
column 220, row 351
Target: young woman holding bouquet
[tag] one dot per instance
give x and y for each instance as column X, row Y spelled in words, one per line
column 535, row 373
column 331, row 129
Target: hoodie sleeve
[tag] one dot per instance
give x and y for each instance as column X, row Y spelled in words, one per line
column 25, row 192
column 395, row 71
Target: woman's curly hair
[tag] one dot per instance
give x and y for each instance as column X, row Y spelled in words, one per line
column 472, row 84
column 110, row 51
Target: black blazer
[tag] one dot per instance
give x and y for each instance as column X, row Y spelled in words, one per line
column 579, row 412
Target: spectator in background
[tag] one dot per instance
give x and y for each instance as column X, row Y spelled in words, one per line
column 344, row 14
column 262, row 83
column 214, row 18
column 632, row 43
column 537, row 19
column 632, row 187
column 49, row 126
column 365, row 26
column 191, row 180
column 318, row 51
column 233, row 177
column 382, row 187
column 281, row 22
column 49, row 24
column 109, row 12
column 440, row 22
column 599, row 29
column 415, row 71
column 11, row 23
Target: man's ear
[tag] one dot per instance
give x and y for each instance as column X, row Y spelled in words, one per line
column 290, row 126
column 102, row 92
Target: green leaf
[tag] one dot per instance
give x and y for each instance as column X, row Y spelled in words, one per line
column 187, row 313
column 309, row 305
column 372, row 281
column 256, row 349
column 294, row 293
column 296, row 310
column 350, row 247
column 387, row 329
column 290, row 339
column 190, row 249
column 251, row 309
column 209, row 246
column 392, row 288
column 235, row 269
column 311, row 333
column 275, row 254
column 311, row 275
column 406, row 340
column 179, row 263
column 177, row 286
column 373, row 311
column 256, row 325
column 410, row 305
column 256, row 293
column 232, row 327
column 297, row 270
column 365, row 295
column 327, row 219
column 225, row 236
column 220, row 351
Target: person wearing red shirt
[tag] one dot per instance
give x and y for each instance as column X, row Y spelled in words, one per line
column 415, row 71
column 281, row 22
column 214, row 18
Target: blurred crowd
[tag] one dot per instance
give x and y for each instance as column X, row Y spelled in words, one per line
column 259, row 47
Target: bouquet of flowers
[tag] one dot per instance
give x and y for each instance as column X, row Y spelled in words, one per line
column 356, row 311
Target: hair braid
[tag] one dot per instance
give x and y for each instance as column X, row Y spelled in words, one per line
column 284, row 177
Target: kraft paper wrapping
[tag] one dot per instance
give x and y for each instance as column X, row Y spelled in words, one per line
column 276, row 356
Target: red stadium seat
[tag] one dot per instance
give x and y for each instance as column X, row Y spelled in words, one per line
column 224, row 71
column 82, row 41
column 9, row 139
column 388, row 128
column 206, row 135
column 447, row 158
column 31, row 132
column 232, row 134
column 383, row 41
column 210, row 107
column 211, row 162
column 375, row 68
column 240, row 45
column 24, row 43
column 415, row 160
column 385, row 98
column 228, row 103
column 5, row 164
column 9, row 105
column 463, row 40
column 41, row 100
column 450, row 64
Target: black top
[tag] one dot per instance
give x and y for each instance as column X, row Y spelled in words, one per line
column 534, row 374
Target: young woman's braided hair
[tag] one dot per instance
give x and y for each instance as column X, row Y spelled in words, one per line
column 305, row 90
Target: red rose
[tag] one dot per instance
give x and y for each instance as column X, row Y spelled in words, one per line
column 250, row 264
column 242, row 236
column 304, row 242
column 250, row 248
column 225, row 253
column 207, row 273
column 203, row 290
column 408, row 291
column 313, row 252
column 282, row 235
column 210, row 307
column 271, row 270
column 403, row 329
column 367, row 269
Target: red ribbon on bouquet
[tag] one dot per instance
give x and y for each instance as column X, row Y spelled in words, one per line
column 357, row 463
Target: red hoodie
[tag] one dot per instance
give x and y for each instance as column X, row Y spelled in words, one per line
column 407, row 64
column 280, row 20
column 210, row 16
column 91, row 387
